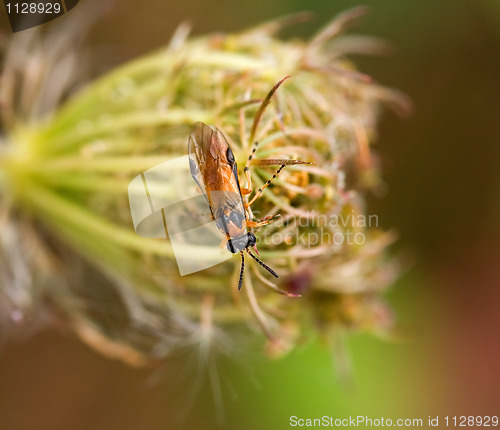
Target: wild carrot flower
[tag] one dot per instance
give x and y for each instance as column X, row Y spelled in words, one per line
column 68, row 250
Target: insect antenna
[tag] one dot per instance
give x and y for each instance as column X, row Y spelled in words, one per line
column 264, row 265
column 240, row 282
column 253, row 131
column 261, row 190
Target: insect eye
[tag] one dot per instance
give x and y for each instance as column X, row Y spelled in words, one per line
column 251, row 239
column 229, row 155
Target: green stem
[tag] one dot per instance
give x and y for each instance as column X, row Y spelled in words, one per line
column 104, row 164
column 57, row 209
column 91, row 94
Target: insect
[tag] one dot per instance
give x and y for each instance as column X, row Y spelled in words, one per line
column 214, row 169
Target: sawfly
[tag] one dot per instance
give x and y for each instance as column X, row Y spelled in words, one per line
column 213, row 167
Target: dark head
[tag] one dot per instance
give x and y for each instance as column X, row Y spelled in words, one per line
column 237, row 244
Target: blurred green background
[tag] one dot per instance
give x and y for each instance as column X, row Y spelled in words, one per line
column 441, row 167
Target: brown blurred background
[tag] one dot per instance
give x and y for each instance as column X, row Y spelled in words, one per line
column 442, row 171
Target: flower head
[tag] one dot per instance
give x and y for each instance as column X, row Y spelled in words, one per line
column 67, row 157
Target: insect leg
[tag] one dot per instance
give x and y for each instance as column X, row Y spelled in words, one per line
column 263, row 221
column 260, row 190
column 246, row 170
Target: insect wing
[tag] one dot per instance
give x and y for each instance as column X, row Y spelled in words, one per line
column 164, row 203
column 195, row 238
column 198, row 145
column 222, row 191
